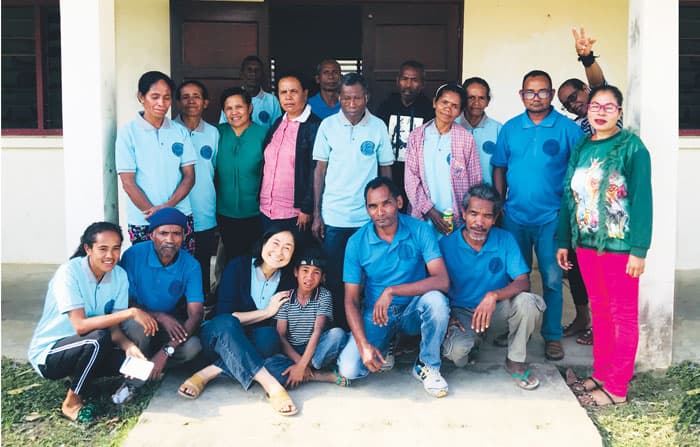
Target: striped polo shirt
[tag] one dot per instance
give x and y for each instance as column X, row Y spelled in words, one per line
column 301, row 319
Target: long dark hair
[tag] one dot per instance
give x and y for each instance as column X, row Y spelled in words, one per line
column 90, row 236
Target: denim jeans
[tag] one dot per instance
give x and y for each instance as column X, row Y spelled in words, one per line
column 238, row 352
column 334, row 248
column 542, row 238
column 327, row 350
column 427, row 315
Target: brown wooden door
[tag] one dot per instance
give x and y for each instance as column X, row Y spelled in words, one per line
column 427, row 32
column 210, row 39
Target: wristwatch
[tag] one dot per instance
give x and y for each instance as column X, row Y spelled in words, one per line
column 169, row 350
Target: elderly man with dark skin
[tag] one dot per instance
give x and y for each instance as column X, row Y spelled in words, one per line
column 398, row 260
column 161, row 275
column 488, row 280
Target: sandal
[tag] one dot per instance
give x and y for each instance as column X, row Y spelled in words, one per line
column 525, row 380
column 195, row 384
column 589, row 400
column 579, row 385
column 573, row 328
column 341, row 380
column 586, row 338
column 553, row 350
column 280, row 402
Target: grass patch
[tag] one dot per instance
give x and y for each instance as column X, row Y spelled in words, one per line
column 663, row 411
column 31, row 410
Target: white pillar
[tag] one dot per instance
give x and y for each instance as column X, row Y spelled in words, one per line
column 88, row 88
column 652, row 109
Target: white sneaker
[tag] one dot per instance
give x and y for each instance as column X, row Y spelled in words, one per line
column 389, row 359
column 432, row 380
column 123, row 394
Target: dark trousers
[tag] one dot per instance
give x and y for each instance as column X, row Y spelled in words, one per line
column 83, row 358
column 204, row 248
column 397, row 176
column 578, row 288
column 238, row 235
column 334, row 248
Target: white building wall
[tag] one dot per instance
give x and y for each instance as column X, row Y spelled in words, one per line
column 688, row 214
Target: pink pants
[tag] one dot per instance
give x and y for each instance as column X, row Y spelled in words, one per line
column 614, row 298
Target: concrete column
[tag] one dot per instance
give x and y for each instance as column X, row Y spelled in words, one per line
column 88, row 87
column 652, row 110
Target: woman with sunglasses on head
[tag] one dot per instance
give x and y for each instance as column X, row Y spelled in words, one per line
column 442, row 162
column 606, row 216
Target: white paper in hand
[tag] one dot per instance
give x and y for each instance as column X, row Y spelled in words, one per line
column 136, row 368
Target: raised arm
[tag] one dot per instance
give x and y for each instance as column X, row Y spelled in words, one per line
column 584, row 49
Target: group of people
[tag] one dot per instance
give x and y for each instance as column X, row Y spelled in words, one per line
column 341, row 230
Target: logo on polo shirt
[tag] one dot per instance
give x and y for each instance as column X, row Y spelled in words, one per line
column 488, row 147
column 551, row 147
column 206, row 152
column 178, row 149
column 264, row 116
column 367, row 148
column 449, row 157
column 496, row 265
column 406, row 251
column 109, row 307
column 176, row 288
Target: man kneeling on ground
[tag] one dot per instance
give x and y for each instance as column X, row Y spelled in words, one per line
column 488, row 279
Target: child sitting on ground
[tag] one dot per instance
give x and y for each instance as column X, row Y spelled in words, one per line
column 302, row 323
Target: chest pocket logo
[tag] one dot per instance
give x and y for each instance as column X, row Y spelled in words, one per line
column 489, row 147
column 109, row 307
column 367, row 148
column 206, row 152
column 551, row 147
column 448, row 158
column 495, row 265
column 406, row 251
column 178, row 149
column 264, row 116
column 176, row 289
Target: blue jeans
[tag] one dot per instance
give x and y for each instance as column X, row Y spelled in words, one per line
column 238, row 352
column 427, row 315
column 542, row 238
column 334, row 248
column 329, row 345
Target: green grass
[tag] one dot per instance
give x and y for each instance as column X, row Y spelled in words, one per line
column 33, row 416
column 663, row 410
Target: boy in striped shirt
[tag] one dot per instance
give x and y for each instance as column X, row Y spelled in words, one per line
column 303, row 325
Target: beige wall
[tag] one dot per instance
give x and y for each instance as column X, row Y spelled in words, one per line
column 688, row 237
column 33, row 217
column 505, row 39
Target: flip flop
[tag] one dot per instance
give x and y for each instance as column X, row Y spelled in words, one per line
column 589, row 400
column 340, row 380
column 525, row 380
column 280, row 402
column 195, row 383
column 586, row 338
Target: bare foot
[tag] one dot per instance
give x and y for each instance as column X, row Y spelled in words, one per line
column 71, row 405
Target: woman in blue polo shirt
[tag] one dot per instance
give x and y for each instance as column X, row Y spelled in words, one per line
column 155, row 160
column 244, row 331
column 86, row 300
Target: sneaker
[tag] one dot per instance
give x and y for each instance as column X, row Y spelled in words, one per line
column 389, row 359
column 123, row 394
column 432, row 380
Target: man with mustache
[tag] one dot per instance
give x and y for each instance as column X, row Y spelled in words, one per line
column 166, row 282
column 488, row 280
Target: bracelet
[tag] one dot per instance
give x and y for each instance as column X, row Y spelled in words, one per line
column 587, row 61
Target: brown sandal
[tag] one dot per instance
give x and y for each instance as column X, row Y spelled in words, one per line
column 281, row 401
column 579, row 385
column 589, row 400
column 194, row 383
column 553, row 350
column 586, row 338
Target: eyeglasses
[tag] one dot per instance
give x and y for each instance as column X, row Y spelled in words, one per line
column 609, row 107
column 570, row 100
column 542, row 94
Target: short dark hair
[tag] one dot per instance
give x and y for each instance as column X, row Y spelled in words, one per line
column 89, row 236
column 234, row 91
column 257, row 247
column 324, row 62
column 419, row 67
column 296, row 75
column 606, row 88
column 353, row 78
column 205, row 92
column 535, row 74
column 378, row 182
column 456, row 88
column 483, row 191
column 477, row 80
column 252, row 58
column 573, row 82
column 149, row 78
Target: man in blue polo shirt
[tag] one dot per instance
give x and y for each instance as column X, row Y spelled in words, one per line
column 192, row 99
column 349, row 147
column 488, row 280
column 531, row 157
column 398, row 260
column 160, row 275
column 325, row 103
